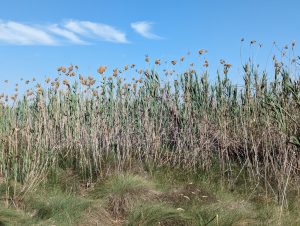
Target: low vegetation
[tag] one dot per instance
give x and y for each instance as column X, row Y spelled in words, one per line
column 156, row 197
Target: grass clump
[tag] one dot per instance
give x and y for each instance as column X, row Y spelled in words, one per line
column 158, row 214
column 57, row 207
column 14, row 217
column 228, row 212
column 122, row 191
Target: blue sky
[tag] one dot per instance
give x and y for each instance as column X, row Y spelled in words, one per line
column 38, row 36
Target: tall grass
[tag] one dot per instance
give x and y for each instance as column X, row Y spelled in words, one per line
column 186, row 122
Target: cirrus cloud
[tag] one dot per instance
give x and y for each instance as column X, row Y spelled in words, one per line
column 21, row 34
column 55, row 29
column 97, row 30
column 144, row 29
column 73, row 32
column 69, row 32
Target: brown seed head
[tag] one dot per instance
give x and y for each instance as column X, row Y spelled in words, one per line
column 115, row 72
column 227, row 65
column 47, row 80
column 205, row 63
column 147, row 59
column 201, row 51
column 70, row 68
column 101, row 69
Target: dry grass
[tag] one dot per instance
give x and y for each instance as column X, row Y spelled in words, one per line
column 163, row 117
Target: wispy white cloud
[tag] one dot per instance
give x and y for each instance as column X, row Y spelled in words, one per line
column 76, row 27
column 74, row 32
column 70, row 36
column 22, row 34
column 144, row 29
column 97, row 30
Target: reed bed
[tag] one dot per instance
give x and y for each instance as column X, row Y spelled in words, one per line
column 186, row 121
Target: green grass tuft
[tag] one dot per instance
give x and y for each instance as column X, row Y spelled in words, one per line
column 14, row 217
column 158, row 214
column 57, row 207
column 121, row 192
